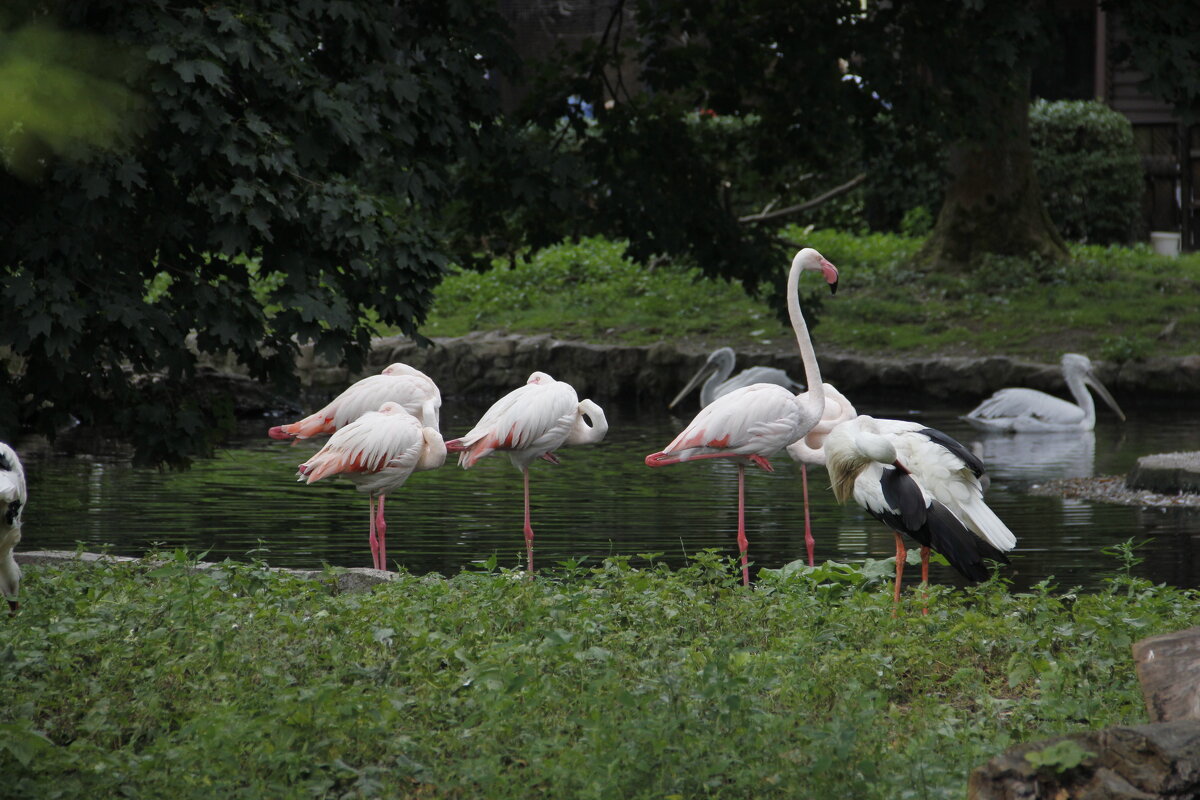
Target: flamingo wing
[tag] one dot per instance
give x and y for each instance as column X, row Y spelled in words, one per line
column 368, row 445
column 534, row 418
column 756, row 420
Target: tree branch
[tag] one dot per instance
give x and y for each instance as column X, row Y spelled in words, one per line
column 807, row 204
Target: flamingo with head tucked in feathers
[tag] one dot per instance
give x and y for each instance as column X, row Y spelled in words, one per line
column 810, row 450
column 921, row 483
column 398, row 383
column 751, row 424
column 378, row 452
column 12, row 503
column 529, row 423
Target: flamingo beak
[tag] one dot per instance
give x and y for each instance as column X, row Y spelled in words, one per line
column 831, row 275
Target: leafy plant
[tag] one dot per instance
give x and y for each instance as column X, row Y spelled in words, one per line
column 1059, row 757
column 1089, row 170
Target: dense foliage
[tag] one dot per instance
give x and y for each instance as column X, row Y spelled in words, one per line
column 1089, row 170
column 883, row 306
column 315, row 137
column 600, row 682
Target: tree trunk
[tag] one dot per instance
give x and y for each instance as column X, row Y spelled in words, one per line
column 993, row 203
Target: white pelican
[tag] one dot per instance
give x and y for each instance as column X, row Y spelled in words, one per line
column 751, row 424
column 810, row 450
column 12, row 502
column 378, row 452
column 1019, row 410
column 529, row 423
column 920, row 482
column 397, row 383
column 719, row 366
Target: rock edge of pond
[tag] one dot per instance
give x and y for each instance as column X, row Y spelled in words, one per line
column 486, row 365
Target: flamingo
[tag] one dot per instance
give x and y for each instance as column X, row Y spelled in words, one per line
column 719, row 366
column 378, row 452
column 920, row 482
column 810, row 450
column 751, row 424
column 528, row 423
column 397, row 383
column 1018, row 410
column 12, row 502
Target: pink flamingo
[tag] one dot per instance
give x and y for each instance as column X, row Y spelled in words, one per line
column 398, row 383
column 751, row 424
column 378, row 452
column 528, row 423
column 809, row 450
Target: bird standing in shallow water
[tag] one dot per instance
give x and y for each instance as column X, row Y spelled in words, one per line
column 1020, row 410
column 378, row 452
column 751, row 424
column 12, row 503
column 810, row 450
column 919, row 482
column 529, row 423
column 398, row 383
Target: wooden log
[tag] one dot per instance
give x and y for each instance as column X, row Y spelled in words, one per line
column 1168, row 668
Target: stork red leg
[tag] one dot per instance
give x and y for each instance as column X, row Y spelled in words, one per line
column 528, row 527
column 809, row 543
column 743, row 543
column 924, row 579
column 901, row 555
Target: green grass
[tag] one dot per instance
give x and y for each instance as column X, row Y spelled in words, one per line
column 1113, row 303
column 593, row 682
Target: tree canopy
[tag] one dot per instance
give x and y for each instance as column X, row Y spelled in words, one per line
column 271, row 173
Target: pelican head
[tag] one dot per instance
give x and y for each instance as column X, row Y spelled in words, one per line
column 1079, row 367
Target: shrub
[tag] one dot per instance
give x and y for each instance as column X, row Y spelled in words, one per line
column 1089, row 170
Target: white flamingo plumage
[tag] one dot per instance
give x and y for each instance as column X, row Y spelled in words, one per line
column 920, row 482
column 12, row 503
column 529, row 423
column 1021, row 410
column 398, row 383
column 751, row 424
column 378, row 452
column 810, row 450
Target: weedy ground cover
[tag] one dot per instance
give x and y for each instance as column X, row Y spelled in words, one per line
column 1113, row 303
column 621, row 679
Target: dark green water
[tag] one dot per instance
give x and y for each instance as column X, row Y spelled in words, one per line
column 602, row 500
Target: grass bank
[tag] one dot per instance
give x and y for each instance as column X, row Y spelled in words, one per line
column 618, row 680
column 1113, row 303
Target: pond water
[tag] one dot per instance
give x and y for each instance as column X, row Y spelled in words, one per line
column 601, row 500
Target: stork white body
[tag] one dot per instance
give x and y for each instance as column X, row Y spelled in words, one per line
column 12, row 504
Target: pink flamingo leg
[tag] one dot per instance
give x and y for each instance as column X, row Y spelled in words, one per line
column 809, row 542
column 528, row 527
column 374, row 541
column 743, row 543
column 381, row 535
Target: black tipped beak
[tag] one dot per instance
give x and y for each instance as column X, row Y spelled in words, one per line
column 833, row 287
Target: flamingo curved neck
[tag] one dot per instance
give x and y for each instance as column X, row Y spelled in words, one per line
column 584, row 433
column 814, row 398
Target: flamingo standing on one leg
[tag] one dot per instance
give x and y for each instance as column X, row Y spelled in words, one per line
column 810, row 449
column 751, row 424
column 529, row 423
column 920, row 482
column 378, row 452
column 12, row 502
column 398, row 383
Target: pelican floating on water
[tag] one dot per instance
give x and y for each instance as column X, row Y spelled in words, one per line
column 1019, row 410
